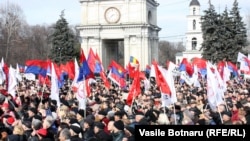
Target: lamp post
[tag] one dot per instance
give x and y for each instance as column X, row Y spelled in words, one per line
column 60, row 54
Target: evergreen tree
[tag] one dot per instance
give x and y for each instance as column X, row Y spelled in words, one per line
column 239, row 30
column 226, row 38
column 63, row 41
column 209, row 26
column 224, row 35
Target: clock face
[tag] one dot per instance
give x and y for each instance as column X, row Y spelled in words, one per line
column 112, row 15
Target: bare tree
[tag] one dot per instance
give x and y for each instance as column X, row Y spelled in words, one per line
column 11, row 18
column 167, row 51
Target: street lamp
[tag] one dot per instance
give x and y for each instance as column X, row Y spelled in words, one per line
column 60, row 54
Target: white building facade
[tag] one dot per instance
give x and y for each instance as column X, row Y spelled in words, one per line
column 118, row 29
column 193, row 35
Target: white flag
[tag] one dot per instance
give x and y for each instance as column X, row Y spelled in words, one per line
column 2, row 75
column 214, row 99
column 81, row 94
column 54, row 95
column 12, row 82
column 30, row 76
column 241, row 57
column 18, row 75
column 152, row 71
column 168, row 99
column 184, row 76
column 2, row 62
column 195, row 77
column 76, row 73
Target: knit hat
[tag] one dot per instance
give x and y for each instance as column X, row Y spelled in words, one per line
column 139, row 113
column 119, row 125
column 99, row 125
column 27, row 123
column 33, row 110
column 229, row 114
column 105, row 121
column 42, row 132
column 64, row 102
column 102, row 112
column 90, row 117
column 130, row 129
column 73, row 120
column 89, row 121
column 120, row 106
column 119, row 114
column 54, row 102
column 10, row 120
column 76, row 128
column 38, row 117
column 81, row 112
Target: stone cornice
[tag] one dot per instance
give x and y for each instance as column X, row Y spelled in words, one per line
column 118, row 26
column 153, row 2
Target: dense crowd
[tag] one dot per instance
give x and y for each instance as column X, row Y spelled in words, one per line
column 33, row 116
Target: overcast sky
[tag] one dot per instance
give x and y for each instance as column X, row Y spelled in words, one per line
column 171, row 13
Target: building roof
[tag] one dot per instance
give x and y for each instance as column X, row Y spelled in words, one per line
column 194, row 3
column 179, row 54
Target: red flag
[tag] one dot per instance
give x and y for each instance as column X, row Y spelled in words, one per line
column 131, row 70
column 91, row 60
column 117, row 74
column 135, row 89
column 117, row 66
column 69, row 69
column 82, row 56
column 160, row 80
column 102, row 73
column 220, row 68
column 105, row 80
column 199, row 62
column 186, row 66
column 57, row 70
column 143, row 76
column 44, row 80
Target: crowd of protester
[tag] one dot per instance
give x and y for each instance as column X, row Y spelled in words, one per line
column 33, row 116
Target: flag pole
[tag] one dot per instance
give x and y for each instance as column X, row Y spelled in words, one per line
column 219, row 111
column 85, row 112
column 18, row 95
column 43, row 90
column 175, row 120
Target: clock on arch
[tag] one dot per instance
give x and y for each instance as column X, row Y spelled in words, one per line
column 112, row 15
